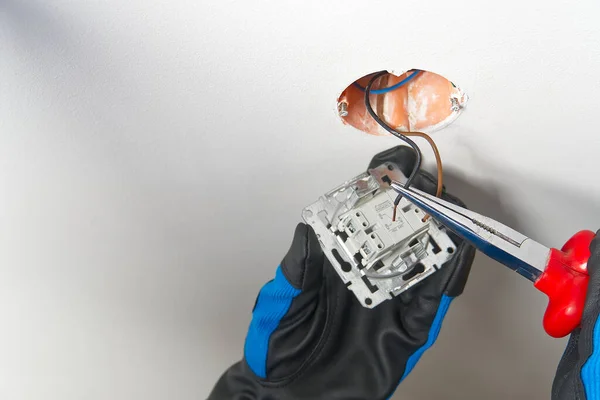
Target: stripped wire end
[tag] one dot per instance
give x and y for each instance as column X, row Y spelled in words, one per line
column 396, row 202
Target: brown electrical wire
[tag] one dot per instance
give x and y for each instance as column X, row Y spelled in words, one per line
column 438, row 161
column 381, row 121
column 436, row 153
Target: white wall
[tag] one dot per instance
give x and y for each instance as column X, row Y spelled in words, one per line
column 145, row 145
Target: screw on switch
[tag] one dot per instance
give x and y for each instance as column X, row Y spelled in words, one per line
column 342, row 109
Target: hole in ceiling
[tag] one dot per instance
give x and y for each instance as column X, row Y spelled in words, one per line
column 416, row 100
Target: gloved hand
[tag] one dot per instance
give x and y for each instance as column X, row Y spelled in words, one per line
column 578, row 373
column 311, row 339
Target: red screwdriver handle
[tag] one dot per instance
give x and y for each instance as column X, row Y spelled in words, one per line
column 565, row 282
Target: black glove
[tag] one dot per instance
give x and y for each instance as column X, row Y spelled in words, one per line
column 311, row 339
column 578, row 373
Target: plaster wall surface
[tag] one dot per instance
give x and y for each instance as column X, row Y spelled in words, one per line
column 155, row 157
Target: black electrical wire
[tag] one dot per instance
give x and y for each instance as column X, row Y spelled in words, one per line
column 394, row 132
column 412, row 174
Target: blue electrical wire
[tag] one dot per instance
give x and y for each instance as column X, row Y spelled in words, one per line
column 393, row 87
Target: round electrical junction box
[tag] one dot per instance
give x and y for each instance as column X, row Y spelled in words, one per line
column 416, row 100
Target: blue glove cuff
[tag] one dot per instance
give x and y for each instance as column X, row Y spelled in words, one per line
column 274, row 301
column 590, row 373
column 436, row 326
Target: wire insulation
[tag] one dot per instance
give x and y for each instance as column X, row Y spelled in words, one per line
column 404, row 137
column 438, row 160
column 372, row 275
column 394, row 132
column 393, row 87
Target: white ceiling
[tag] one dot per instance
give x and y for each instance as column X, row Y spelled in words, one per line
column 155, row 156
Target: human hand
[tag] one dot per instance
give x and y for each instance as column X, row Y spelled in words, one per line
column 578, row 373
column 311, row 339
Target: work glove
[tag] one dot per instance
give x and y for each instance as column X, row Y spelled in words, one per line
column 310, row 338
column 578, row 373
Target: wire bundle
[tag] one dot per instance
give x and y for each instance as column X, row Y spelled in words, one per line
column 404, row 136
